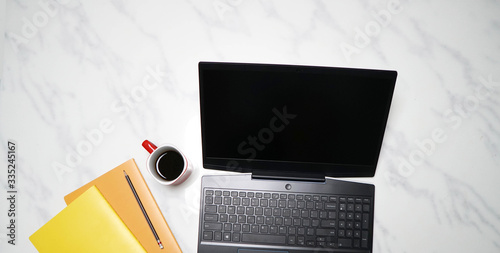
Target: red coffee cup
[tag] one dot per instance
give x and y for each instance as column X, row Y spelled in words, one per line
column 167, row 164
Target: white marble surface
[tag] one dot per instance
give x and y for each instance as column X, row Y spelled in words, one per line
column 84, row 83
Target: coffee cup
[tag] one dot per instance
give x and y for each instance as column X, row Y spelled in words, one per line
column 167, row 164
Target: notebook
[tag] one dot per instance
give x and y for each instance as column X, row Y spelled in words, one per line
column 117, row 192
column 287, row 131
column 88, row 224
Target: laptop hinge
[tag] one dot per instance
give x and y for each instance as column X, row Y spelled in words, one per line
column 289, row 176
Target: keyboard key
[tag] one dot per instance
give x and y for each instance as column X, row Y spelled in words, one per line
column 226, row 193
column 309, row 205
column 242, row 194
column 236, row 237
column 301, row 231
column 332, row 215
column 218, row 200
column 273, row 203
column 236, row 201
column 259, row 195
column 291, row 240
column 328, row 223
column 325, row 232
column 273, row 229
column 365, row 221
column 264, row 229
column 227, row 226
column 310, row 231
column 357, row 234
column 212, row 226
column 242, row 219
column 209, row 192
column 210, row 209
column 282, row 203
column 224, row 217
column 227, row 236
column 255, row 202
column 301, row 204
column 222, row 209
column 348, row 233
column 330, row 206
column 218, row 193
column 233, row 218
column 279, row 220
column 344, row 243
column 254, row 228
column 209, row 200
column 357, row 243
column 306, row 222
column 254, row 238
column 269, row 220
column 236, row 227
column 366, row 208
column 282, row 230
column 301, row 240
column 211, row 217
column 208, row 235
column 218, row 236
column 259, row 220
column 315, row 222
column 263, row 202
column 245, row 228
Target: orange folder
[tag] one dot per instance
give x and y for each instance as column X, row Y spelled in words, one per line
column 114, row 187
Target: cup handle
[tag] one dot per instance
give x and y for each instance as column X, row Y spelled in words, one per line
column 150, row 147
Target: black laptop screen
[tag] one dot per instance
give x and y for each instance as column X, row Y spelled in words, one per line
column 322, row 120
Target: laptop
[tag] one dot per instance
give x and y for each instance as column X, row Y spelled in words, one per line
column 287, row 131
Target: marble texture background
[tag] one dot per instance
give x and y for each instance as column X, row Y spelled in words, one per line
column 85, row 82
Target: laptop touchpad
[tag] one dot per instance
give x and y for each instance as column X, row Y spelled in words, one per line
column 260, row 251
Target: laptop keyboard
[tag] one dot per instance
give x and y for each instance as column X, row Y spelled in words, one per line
column 286, row 219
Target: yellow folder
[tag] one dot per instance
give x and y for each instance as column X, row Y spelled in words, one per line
column 116, row 190
column 88, row 224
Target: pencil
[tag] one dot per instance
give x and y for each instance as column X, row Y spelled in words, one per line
column 143, row 210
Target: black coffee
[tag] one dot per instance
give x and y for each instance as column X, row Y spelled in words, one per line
column 169, row 165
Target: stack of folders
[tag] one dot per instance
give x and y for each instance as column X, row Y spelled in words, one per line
column 105, row 216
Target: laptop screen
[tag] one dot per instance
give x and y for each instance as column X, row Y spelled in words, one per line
column 299, row 119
